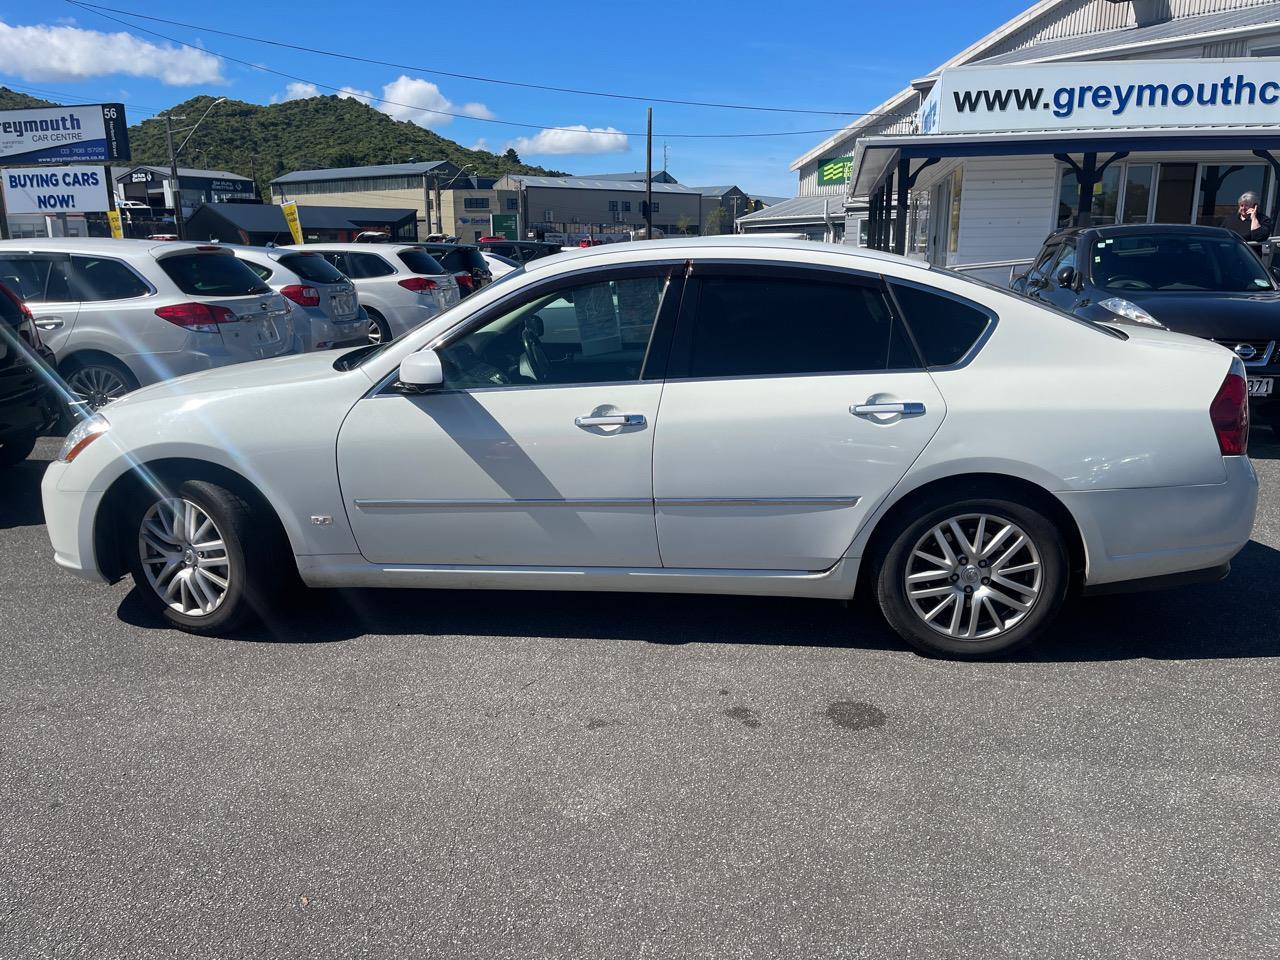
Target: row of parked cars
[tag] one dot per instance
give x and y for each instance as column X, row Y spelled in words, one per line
column 109, row 316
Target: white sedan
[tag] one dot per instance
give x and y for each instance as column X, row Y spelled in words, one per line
column 728, row 415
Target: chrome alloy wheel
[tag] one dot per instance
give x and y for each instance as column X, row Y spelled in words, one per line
column 375, row 331
column 97, row 386
column 184, row 557
column 973, row 577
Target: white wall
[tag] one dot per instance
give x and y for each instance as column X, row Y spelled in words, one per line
column 1006, row 207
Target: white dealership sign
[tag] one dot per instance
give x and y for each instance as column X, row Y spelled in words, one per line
column 1108, row 94
column 74, row 134
column 50, row 190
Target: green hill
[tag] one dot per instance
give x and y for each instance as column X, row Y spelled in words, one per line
column 265, row 141
column 13, row 100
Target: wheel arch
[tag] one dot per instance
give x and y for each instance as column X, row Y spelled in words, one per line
column 68, row 363
column 166, row 474
column 976, row 484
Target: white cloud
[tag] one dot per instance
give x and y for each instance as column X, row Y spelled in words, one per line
column 481, row 144
column 304, row 91
column 415, row 100
column 573, row 140
column 351, row 93
column 70, row 53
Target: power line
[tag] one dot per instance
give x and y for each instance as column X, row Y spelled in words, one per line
column 444, row 113
column 63, row 97
column 467, row 76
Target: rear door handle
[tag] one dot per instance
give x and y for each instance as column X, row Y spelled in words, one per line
column 612, row 420
column 908, row 408
column 49, row 323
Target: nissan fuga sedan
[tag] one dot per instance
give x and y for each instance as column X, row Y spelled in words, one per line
column 730, row 416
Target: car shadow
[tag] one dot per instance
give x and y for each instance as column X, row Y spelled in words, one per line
column 1263, row 443
column 20, row 491
column 1209, row 621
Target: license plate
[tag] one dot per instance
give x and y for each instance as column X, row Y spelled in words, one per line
column 344, row 305
column 268, row 333
column 1261, row 386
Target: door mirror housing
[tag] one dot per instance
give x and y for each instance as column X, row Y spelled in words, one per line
column 1066, row 277
column 420, row 372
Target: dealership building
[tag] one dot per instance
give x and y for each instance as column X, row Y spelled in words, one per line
column 1073, row 112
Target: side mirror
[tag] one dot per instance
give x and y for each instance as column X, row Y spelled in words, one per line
column 420, row 372
column 1066, row 277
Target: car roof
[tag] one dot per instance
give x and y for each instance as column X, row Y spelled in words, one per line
column 1147, row 229
column 440, row 245
column 106, row 246
column 357, row 247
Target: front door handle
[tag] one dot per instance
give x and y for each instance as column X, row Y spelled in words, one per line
column 612, row 420
column 908, row 408
column 48, row 323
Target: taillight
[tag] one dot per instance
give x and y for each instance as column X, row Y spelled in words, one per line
column 1229, row 413
column 196, row 316
column 464, row 280
column 302, row 296
column 418, row 284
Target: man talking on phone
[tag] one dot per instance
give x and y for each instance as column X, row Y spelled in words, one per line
column 1248, row 221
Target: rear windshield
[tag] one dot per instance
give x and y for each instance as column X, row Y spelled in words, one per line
column 313, row 267
column 461, row 258
column 1176, row 262
column 212, row 275
column 421, row 262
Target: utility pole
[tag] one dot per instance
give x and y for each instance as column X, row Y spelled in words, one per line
column 178, row 225
column 648, row 175
column 439, row 212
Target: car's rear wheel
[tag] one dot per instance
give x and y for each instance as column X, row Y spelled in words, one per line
column 973, row 578
column 203, row 556
column 379, row 329
column 16, row 449
column 98, row 380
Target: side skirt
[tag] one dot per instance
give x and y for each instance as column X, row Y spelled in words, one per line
column 351, row 570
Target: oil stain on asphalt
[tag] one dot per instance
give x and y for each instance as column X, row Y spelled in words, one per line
column 750, row 718
column 855, row 715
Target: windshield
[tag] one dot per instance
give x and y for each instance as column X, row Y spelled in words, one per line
column 212, row 275
column 419, row 261
column 1176, row 262
column 313, row 267
column 1042, row 304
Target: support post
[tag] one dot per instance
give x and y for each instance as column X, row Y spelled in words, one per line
column 904, row 188
column 1275, row 185
column 648, row 174
column 179, row 225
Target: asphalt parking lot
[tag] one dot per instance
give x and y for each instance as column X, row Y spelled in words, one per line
column 411, row 774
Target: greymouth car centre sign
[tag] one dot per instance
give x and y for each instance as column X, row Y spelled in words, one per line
column 73, row 134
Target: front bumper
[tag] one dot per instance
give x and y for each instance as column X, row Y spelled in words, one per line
column 69, row 521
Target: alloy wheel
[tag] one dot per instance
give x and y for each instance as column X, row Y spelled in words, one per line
column 97, row 386
column 973, row 577
column 375, row 332
column 184, row 557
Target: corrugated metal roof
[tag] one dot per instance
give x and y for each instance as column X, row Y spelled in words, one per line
column 1224, row 20
column 374, row 170
column 717, row 191
column 798, row 209
column 185, row 172
column 659, row 176
column 585, row 183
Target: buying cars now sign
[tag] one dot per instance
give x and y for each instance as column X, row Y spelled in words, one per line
column 1106, row 94
column 50, row 190
column 78, row 134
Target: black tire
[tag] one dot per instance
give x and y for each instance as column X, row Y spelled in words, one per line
column 378, row 322
column 1052, row 578
column 257, row 557
column 78, row 369
column 16, row 449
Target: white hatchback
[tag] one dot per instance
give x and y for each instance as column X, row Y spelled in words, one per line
column 716, row 416
column 399, row 284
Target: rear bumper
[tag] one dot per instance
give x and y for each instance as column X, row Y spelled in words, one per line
column 1138, row 535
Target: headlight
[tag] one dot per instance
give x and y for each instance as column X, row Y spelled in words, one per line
column 1130, row 311
column 82, row 434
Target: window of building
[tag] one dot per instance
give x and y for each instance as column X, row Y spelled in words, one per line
column 1139, row 178
column 626, row 206
column 944, row 328
column 1106, row 197
column 1175, row 190
column 953, row 214
column 1220, row 186
column 613, row 204
column 656, row 206
column 475, row 203
column 513, row 203
column 834, row 326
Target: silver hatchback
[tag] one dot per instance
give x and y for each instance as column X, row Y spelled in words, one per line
column 326, row 313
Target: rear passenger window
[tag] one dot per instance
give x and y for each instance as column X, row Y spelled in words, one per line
column 945, row 328
column 263, row 273
column 361, row 266
column 748, row 326
column 94, row 279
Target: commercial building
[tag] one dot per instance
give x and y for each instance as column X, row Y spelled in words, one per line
column 260, row 224
column 634, row 176
column 392, row 185
column 568, row 209
column 1073, row 112
column 153, row 185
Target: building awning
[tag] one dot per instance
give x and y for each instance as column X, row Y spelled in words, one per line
column 813, row 210
column 875, row 157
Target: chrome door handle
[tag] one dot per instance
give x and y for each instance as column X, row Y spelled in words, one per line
column 612, row 420
column 49, row 323
column 907, row 409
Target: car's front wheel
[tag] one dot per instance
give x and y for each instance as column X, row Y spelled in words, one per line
column 973, row 578
column 203, row 556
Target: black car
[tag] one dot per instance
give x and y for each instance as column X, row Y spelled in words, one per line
column 1202, row 281
column 464, row 261
column 28, row 405
column 521, row 251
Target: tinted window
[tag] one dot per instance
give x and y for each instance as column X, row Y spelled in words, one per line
column 212, row 275
column 945, row 329
column 503, row 250
column 362, row 266
column 593, row 333
column 96, row 279
column 10, row 312
column 1174, row 262
column 36, row 279
column 263, row 273
column 419, row 261
column 1038, row 269
column 458, row 259
column 313, row 267
column 746, row 326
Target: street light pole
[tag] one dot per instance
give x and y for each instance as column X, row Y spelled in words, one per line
column 648, row 177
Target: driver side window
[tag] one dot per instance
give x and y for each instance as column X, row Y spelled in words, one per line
column 595, row 332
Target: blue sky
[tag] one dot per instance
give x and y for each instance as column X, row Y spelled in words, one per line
column 816, row 56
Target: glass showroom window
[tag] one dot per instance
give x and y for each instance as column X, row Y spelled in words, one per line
column 1106, row 197
column 1220, row 185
